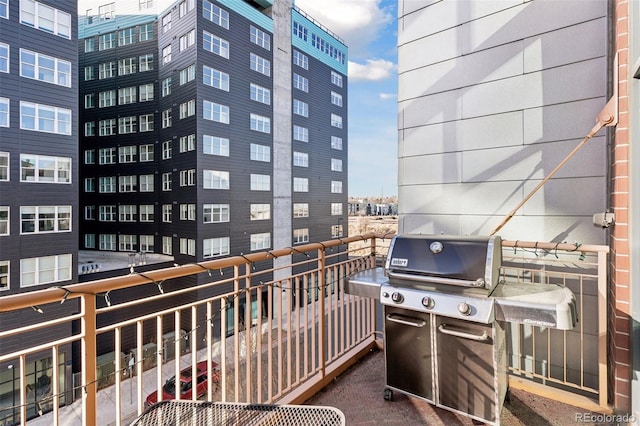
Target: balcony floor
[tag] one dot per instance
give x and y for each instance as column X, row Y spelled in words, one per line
column 358, row 393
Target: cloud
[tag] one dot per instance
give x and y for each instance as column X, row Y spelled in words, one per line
column 371, row 70
column 386, row 96
column 357, row 22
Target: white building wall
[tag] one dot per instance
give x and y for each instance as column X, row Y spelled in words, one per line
column 492, row 96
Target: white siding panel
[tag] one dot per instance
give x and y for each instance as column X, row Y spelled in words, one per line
column 435, row 138
column 429, row 169
column 430, row 109
column 430, row 50
column 571, row 197
column 492, row 131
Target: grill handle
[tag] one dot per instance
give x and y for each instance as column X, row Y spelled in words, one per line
column 482, row 338
column 406, row 320
column 437, row 280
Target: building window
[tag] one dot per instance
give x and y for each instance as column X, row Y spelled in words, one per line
column 44, row 270
column 146, row 183
column 127, row 36
column 336, row 231
column 336, row 143
column 187, row 40
column 127, row 242
column 128, row 213
column 188, row 246
column 107, row 127
column 336, row 78
column 260, row 152
column 89, row 101
column 215, row 14
column 90, row 212
column 127, row 125
column 215, row 213
column 107, row 242
column 146, row 243
column 43, row 168
column 300, row 159
column 187, row 109
column 260, row 38
column 45, row 18
column 300, row 133
column 127, row 183
column 127, row 154
column 106, row 12
column 300, row 184
column 166, row 181
column 167, row 245
column 215, row 44
column 127, row 95
column 4, row 275
column 167, row 213
column 260, row 94
column 300, row 59
column 166, row 118
column 336, row 187
column 212, row 247
column 4, row 220
column 166, row 22
column 214, row 78
column 146, row 152
column 38, row 66
column 166, row 150
column 300, row 210
column 260, row 241
column 90, row 184
column 215, row 179
column 146, row 30
column 88, row 73
column 187, row 143
column 187, row 74
column 300, row 108
column 90, row 128
column 89, row 156
column 145, row 92
column 260, row 123
column 107, row 99
column 188, row 177
column 336, row 209
column 260, row 211
column 4, row 57
column 4, row 13
column 107, row 156
column 43, row 219
column 107, row 184
column 215, row 145
column 260, row 182
column 106, row 41
column 166, row 87
column 4, row 112
column 89, row 45
column 127, row 66
column 146, row 62
column 146, row 123
column 300, row 82
column 300, row 31
column 45, row 118
column 336, row 165
column 260, row 64
column 215, row 112
column 187, row 212
column 147, row 213
column 107, row 213
column 166, row 54
column 89, row 241
column 336, row 121
column 300, row 235
column 106, row 70
column 4, row 166
column 186, row 6
column 336, row 99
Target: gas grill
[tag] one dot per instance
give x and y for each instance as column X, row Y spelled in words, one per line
column 445, row 311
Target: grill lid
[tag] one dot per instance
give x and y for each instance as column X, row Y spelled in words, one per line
column 470, row 261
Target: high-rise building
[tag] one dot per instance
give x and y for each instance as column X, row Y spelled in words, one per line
column 38, row 176
column 210, row 128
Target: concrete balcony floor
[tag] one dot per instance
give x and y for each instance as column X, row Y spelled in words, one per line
column 358, row 393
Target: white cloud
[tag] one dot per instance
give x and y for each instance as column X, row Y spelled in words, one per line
column 371, row 70
column 357, row 22
column 386, row 96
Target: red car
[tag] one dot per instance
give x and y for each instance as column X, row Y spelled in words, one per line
column 186, row 384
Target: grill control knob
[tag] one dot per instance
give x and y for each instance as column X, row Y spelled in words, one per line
column 464, row 308
column 397, row 297
column 428, row 302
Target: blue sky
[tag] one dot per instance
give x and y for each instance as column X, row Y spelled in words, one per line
column 369, row 28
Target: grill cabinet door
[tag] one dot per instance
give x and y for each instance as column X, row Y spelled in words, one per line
column 408, row 360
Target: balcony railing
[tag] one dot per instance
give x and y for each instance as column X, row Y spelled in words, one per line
column 271, row 327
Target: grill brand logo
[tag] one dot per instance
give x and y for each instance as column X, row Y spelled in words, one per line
column 399, row 262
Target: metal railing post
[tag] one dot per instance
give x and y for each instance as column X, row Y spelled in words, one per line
column 602, row 329
column 89, row 349
column 322, row 313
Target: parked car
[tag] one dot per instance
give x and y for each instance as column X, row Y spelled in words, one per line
column 201, row 383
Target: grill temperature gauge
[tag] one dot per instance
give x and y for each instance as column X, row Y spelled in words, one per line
column 397, row 297
column 428, row 302
column 464, row 308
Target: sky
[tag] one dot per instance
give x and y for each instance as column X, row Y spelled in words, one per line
column 369, row 29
